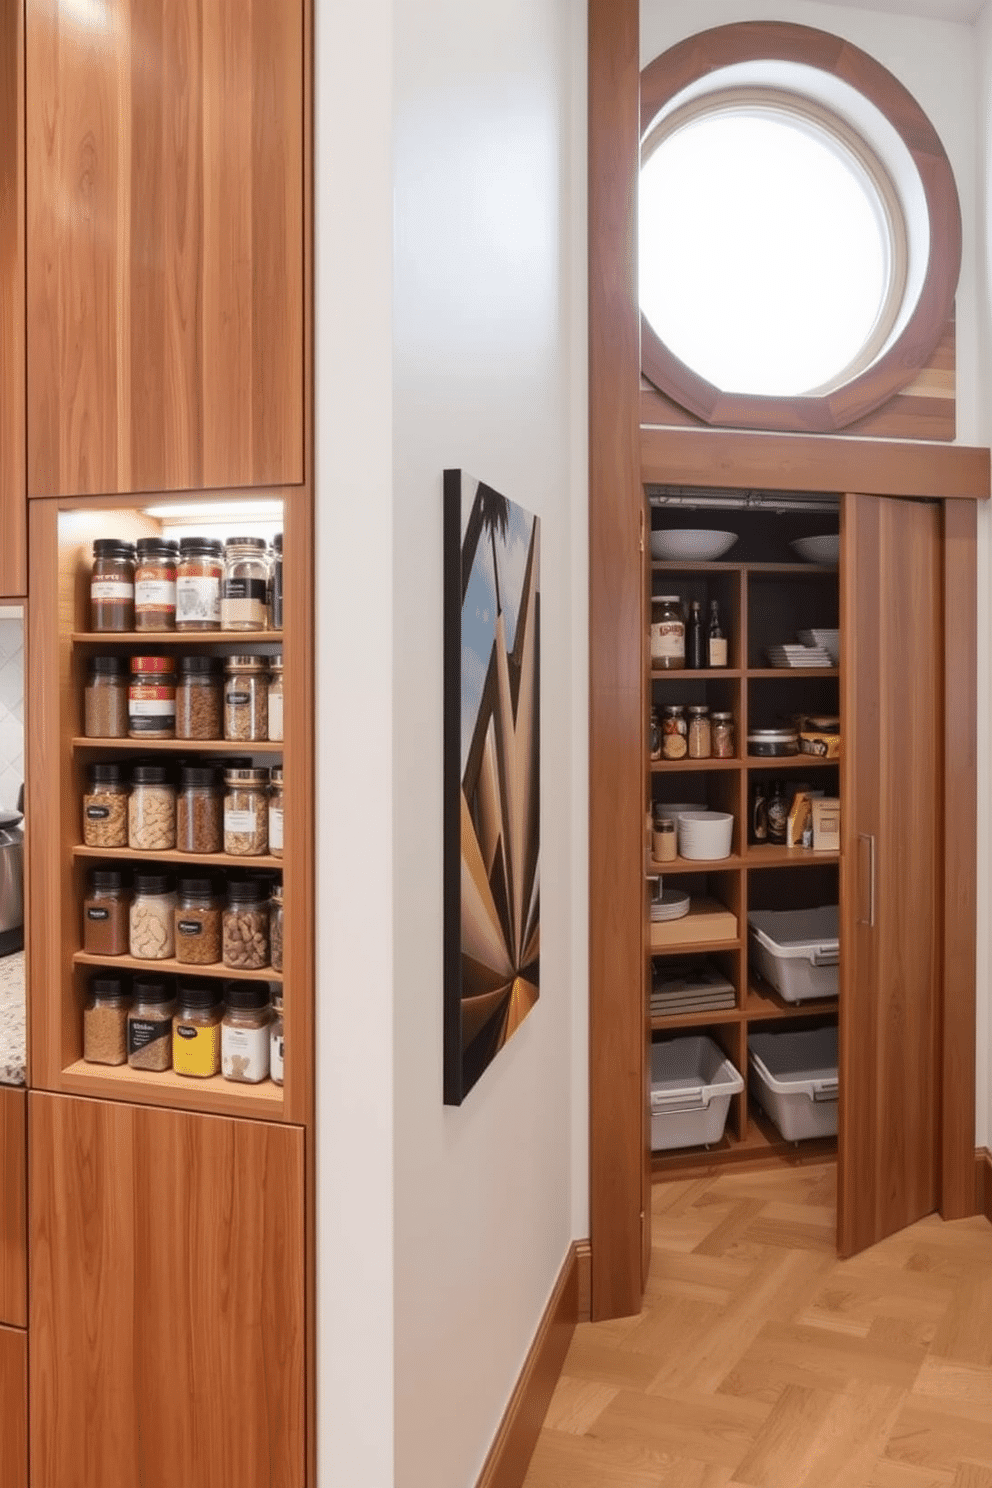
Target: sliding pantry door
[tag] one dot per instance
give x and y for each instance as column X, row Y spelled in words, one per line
column 892, row 624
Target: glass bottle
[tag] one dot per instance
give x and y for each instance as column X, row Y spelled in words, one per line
column 199, row 579
column 244, row 595
column 674, row 732
column 245, row 1036
column 778, row 814
column 723, row 735
column 667, row 633
column 196, row 1029
column 155, row 583
column 695, row 644
column 105, row 698
column 700, row 736
column 105, row 1020
column 717, row 641
column 149, row 1023
column 112, row 585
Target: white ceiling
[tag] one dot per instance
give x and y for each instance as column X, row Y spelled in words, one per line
column 941, row 10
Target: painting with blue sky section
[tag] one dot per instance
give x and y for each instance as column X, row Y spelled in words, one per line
column 479, row 606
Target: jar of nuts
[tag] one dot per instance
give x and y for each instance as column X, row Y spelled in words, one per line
column 246, row 699
column 151, row 810
column 198, row 922
column 105, row 807
column 152, row 922
column 246, row 814
column 246, row 925
column 199, row 699
column 199, row 811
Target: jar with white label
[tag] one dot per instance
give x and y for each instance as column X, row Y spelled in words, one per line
column 275, row 697
column 245, row 1032
column 198, row 583
column 155, row 583
column 667, row 633
column 276, row 815
column 112, row 585
column 277, row 1041
column 246, row 811
column 151, row 699
column 244, row 599
column 246, row 699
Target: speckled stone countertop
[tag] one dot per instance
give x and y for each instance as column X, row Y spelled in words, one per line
column 12, row 1037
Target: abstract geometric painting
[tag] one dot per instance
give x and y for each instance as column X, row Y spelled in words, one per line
column 492, row 613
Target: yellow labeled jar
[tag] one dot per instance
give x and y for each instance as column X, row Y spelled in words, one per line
column 196, row 1030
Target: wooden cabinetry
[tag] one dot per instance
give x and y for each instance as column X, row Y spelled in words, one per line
column 165, row 245
column 167, row 1313
column 14, row 1408
column 13, row 1215
column 13, row 509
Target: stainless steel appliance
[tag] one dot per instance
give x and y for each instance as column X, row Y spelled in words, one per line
column 12, row 879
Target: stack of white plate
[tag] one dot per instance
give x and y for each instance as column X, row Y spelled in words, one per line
column 672, row 904
column 705, row 834
column 829, row 640
column 799, row 656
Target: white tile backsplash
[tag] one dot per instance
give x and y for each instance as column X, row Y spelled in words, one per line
column 11, row 711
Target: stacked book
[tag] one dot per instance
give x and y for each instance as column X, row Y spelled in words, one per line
column 689, row 987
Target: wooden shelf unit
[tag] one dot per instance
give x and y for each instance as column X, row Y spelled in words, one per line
column 747, row 590
column 62, row 533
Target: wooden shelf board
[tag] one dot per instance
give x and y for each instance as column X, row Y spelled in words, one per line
column 662, row 1023
column 138, row 639
column 706, row 925
column 666, row 767
column 764, row 1002
column 172, row 967
column 777, row 673
column 695, row 948
column 773, row 855
column 692, row 865
column 761, row 1145
column 672, row 565
column 184, row 746
column 190, row 861
column 788, row 762
column 215, row 1095
column 689, row 674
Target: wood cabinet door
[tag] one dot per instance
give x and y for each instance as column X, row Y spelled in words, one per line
column 166, row 1298
column 13, row 1408
column 13, row 1211
column 13, row 506
column 892, row 618
column 164, row 245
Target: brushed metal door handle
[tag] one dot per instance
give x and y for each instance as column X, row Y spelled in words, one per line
column 866, row 854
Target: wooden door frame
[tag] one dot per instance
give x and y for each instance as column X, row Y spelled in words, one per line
column 622, row 457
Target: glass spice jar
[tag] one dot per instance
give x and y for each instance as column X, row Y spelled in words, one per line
column 151, row 699
column 155, row 583
column 276, row 587
column 105, row 925
column 149, row 1023
column 246, row 699
column 105, row 806
column 105, row 698
column 112, row 585
column 105, row 1020
column 700, row 734
column 196, row 1029
column 275, row 697
column 244, row 1033
column 723, row 735
column 151, row 810
column 674, row 733
column 244, row 594
column 246, row 815
column 277, row 1041
column 199, row 579
column 199, row 811
column 275, row 926
column 664, row 847
column 152, row 928
column 667, row 633
column 199, row 699
column 246, row 925
column 276, row 813
column 198, row 922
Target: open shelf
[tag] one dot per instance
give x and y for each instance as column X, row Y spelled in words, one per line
column 693, row 674
column 663, row 767
column 691, row 865
column 681, row 566
column 183, row 746
column 171, row 967
column 802, row 673
column 761, row 1143
column 184, row 860
column 774, row 762
column 763, row 1002
column 139, row 639
column 774, row 855
column 215, row 1095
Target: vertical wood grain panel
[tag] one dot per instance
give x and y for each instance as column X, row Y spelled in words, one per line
column 14, row 1408
column 616, row 803
column 13, row 1214
column 13, row 509
column 165, row 245
column 166, row 1298
column 957, row 1198
column 892, row 630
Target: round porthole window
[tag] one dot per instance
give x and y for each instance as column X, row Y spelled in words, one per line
column 798, row 257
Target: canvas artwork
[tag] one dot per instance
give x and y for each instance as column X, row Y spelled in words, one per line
column 491, row 775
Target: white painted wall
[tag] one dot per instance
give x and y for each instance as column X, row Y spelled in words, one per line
column 489, row 337
column 947, row 66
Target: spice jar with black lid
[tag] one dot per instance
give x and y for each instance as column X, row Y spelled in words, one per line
column 246, row 816
column 244, row 1034
column 244, row 596
column 246, row 699
column 105, row 806
column 149, row 1023
column 112, row 585
column 152, row 928
column 246, row 925
column 155, row 583
column 199, row 698
column 277, row 582
column 199, row 578
column 151, row 699
column 198, row 922
column 105, row 1020
column 105, row 929
column 199, row 811
column 151, row 810
column 105, row 698
column 196, row 1028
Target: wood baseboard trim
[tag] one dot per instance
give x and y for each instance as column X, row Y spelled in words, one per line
column 583, row 1261
column 983, row 1182
column 514, row 1443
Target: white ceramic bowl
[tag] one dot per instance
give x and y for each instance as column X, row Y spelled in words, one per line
column 691, row 543
column 674, row 812
column 824, row 549
column 705, row 834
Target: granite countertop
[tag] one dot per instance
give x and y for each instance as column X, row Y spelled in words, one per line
column 12, row 1035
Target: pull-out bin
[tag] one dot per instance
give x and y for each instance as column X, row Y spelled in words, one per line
column 794, row 1079
column 796, row 950
column 691, row 1086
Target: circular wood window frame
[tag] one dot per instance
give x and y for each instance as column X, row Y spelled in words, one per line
column 828, row 412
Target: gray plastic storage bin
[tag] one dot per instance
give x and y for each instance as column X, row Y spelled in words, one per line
column 796, row 950
column 794, row 1079
column 691, row 1086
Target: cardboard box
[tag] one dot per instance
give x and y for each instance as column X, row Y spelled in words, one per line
column 826, row 824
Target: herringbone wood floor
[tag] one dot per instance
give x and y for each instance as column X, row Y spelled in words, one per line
column 759, row 1359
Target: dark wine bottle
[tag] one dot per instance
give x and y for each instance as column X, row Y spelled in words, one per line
column 695, row 643
column 717, row 639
